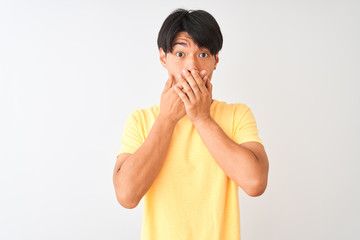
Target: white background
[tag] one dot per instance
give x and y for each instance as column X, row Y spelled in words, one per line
column 71, row 72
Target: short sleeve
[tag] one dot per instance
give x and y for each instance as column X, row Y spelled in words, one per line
column 245, row 127
column 131, row 138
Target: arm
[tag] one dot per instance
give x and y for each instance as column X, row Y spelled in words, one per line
column 246, row 164
column 134, row 173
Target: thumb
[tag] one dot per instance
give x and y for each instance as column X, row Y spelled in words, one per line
column 172, row 81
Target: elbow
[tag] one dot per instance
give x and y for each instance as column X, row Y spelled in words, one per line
column 255, row 192
column 126, row 201
column 256, row 189
column 128, row 205
column 124, row 195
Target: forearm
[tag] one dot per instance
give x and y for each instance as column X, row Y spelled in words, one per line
column 239, row 163
column 140, row 169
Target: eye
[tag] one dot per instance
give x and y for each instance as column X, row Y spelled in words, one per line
column 202, row 55
column 180, row 54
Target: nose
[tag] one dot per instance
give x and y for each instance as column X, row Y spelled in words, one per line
column 192, row 64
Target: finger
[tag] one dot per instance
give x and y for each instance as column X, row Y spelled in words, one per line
column 199, row 81
column 209, row 86
column 188, row 90
column 181, row 89
column 179, row 85
column 171, row 77
column 203, row 74
column 168, row 84
column 192, row 82
column 207, row 83
column 182, row 95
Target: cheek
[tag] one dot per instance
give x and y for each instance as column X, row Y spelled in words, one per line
column 209, row 70
column 209, row 67
column 175, row 68
column 210, row 73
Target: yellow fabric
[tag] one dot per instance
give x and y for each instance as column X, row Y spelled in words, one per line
column 191, row 198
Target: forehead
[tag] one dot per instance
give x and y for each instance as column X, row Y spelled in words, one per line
column 183, row 39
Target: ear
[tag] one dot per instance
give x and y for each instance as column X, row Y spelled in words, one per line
column 216, row 60
column 162, row 57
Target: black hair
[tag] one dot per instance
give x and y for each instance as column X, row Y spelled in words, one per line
column 199, row 24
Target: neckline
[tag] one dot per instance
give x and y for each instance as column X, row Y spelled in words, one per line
column 212, row 106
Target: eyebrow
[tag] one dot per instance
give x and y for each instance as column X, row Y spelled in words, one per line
column 185, row 45
column 180, row 43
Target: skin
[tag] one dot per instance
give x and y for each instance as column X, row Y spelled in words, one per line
column 188, row 91
column 187, row 56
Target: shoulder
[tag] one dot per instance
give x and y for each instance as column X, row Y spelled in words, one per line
column 145, row 115
column 235, row 108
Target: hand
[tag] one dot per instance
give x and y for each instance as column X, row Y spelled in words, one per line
column 196, row 95
column 171, row 106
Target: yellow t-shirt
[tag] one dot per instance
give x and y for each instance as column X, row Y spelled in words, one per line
column 191, row 198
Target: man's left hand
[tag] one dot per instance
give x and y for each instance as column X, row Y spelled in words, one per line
column 196, row 95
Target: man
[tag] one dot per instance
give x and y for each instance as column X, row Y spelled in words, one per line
column 188, row 155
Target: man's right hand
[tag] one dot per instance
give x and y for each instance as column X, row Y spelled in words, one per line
column 171, row 106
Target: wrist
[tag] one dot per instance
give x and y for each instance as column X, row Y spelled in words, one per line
column 166, row 121
column 202, row 122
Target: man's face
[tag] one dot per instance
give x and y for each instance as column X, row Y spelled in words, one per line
column 187, row 55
